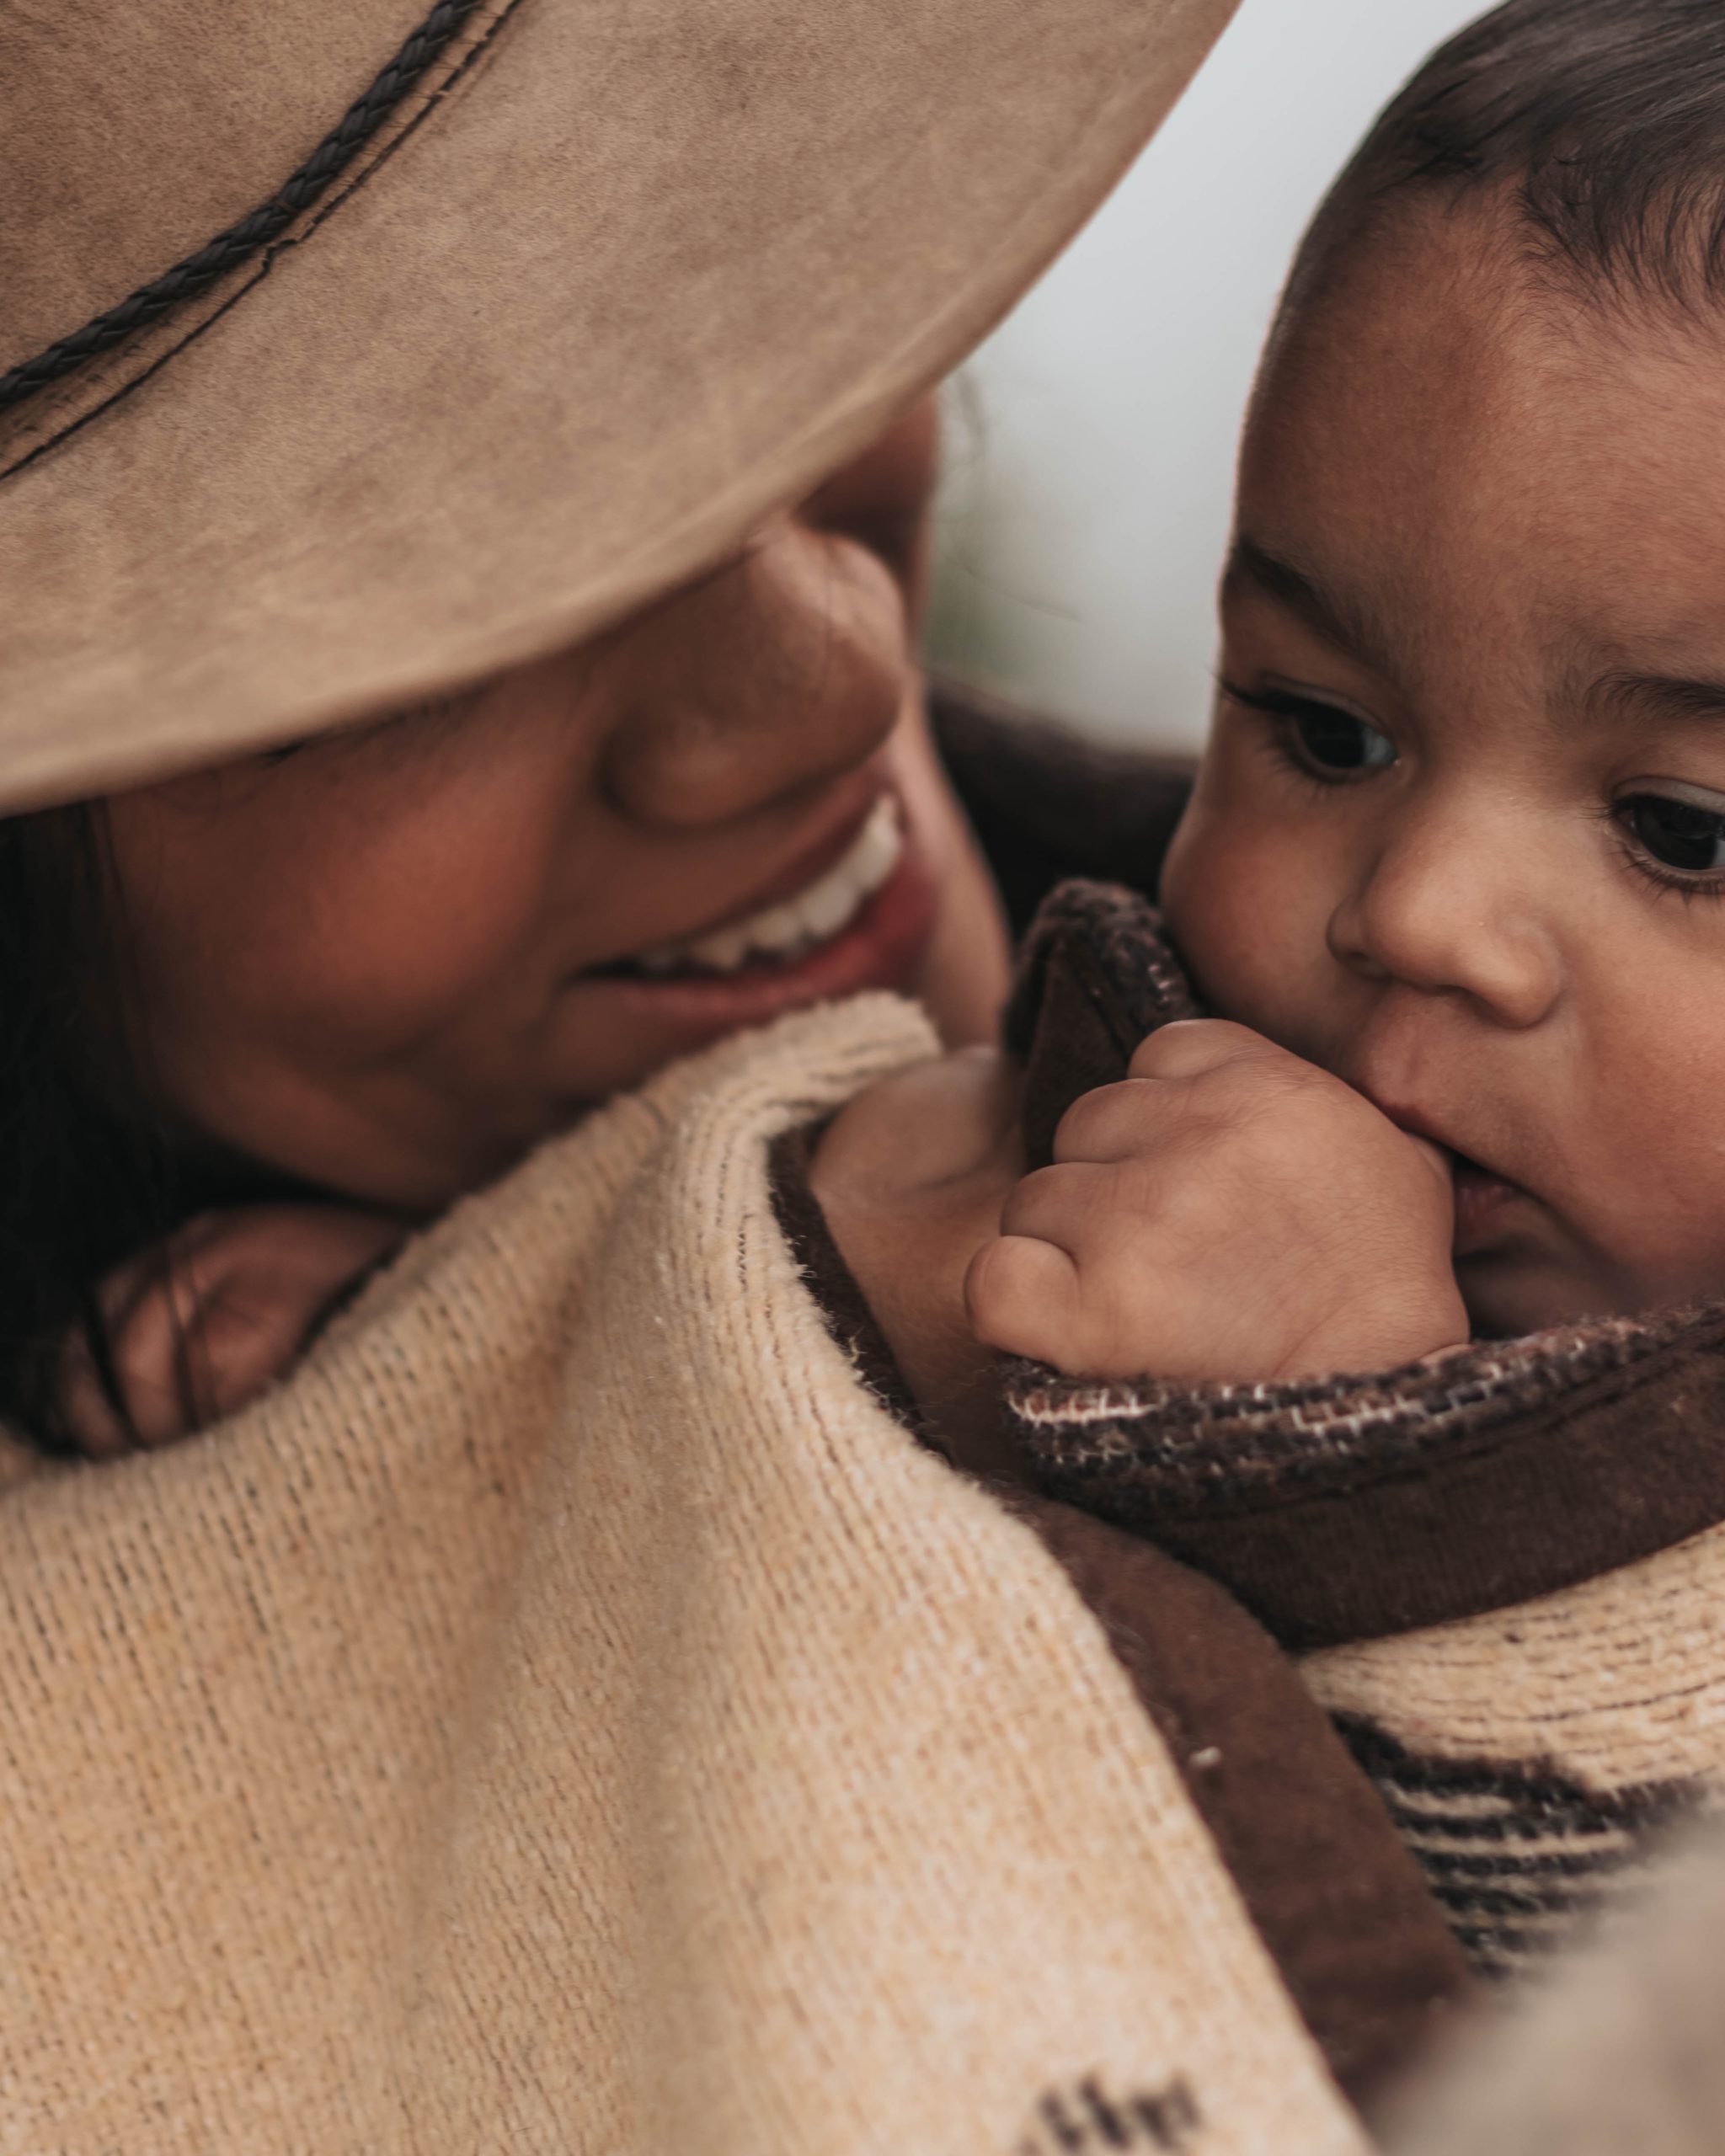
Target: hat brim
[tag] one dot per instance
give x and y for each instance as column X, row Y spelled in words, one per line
column 641, row 274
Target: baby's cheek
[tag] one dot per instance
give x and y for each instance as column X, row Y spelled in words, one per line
column 1638, row 1160
column 1665, row 1231
column 1234, row 909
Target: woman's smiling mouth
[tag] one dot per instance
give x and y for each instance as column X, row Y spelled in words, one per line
column 782, row 932
column 862, row 919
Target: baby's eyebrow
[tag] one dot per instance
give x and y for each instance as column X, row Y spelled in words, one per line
column 1624, row 696
column 1334, row 616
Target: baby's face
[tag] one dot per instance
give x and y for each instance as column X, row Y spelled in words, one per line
column 1459, row 835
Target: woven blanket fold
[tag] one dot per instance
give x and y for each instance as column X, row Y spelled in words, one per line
column 572, row 1716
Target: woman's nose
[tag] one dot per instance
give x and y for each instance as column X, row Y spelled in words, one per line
column 1454, row 911
column 784, row 669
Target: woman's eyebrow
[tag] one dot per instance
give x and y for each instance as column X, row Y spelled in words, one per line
column 1333, row 616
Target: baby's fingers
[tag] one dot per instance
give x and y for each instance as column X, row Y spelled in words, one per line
column 1022, row 1298
column 1081, row 1205
column 1192, row 1048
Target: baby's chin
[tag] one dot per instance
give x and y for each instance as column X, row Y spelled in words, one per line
column 1508, row 1297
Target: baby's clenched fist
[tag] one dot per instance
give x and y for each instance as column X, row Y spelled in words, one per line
column 1227, row 1212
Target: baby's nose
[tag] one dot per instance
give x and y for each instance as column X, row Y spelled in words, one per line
column 1450, row 918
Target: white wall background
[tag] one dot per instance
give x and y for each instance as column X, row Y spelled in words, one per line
column 1091, row 441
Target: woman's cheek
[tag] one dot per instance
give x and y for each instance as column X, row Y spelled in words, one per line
column 414, row 929
column 361, row 943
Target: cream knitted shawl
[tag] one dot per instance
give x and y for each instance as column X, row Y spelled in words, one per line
column 572, row 1716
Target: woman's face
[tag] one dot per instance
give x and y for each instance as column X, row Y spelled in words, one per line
column 390, row 959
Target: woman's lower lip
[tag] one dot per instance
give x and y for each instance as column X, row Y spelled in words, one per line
column 883, row 946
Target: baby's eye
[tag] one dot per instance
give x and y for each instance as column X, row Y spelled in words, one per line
column 1336, row 741
column 1323, row 738
column 1677, row 833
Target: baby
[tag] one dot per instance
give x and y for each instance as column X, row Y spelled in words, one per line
column 1453, row 862
column 1388, row 1300
column 1450, row 866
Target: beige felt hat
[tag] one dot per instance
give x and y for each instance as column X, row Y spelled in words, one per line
column 352, row 348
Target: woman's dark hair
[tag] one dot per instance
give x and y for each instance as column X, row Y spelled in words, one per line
column 1600, row 124
column 84, row 1181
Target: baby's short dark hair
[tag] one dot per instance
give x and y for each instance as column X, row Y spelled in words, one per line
column 1599, row 125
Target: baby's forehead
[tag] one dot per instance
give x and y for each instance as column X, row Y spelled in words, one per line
column 1550, row 182
column 1596, row 130
column 1429, row 301
column 1446, row 440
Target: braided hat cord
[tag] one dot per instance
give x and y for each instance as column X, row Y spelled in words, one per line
column 258, row 227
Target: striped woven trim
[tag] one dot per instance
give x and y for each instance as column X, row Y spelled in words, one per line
column 1517, row 1855
column 1206, row 1447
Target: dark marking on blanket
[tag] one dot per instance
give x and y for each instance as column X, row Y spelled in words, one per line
column 1087, row 2117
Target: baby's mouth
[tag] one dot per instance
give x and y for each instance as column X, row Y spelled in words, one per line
column 1481, row 1194
column 786, row 931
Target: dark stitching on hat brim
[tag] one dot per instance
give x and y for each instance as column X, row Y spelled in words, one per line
column 272, row 248
column 208, row 264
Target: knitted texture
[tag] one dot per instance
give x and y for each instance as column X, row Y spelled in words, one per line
column 571, row 1715
column 1157, row 1450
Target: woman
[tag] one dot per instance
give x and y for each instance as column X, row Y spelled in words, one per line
column 393, row 456
column 462, row 479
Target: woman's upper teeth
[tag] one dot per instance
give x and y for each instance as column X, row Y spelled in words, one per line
column 832, row 901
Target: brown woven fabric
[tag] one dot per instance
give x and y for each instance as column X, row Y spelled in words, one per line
column 1095, row 977
column 1341, row 1905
